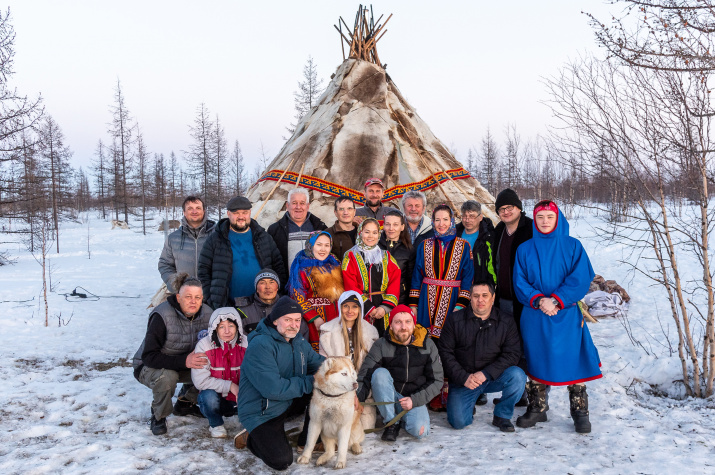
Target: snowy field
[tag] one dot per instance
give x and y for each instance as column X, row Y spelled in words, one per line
column 72, row 405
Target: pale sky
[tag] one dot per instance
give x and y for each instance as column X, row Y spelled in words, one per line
column 464, row 66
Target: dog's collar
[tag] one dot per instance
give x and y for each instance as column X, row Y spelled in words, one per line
column 331, row 395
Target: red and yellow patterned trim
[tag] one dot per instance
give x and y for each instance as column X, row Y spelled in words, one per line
column 334, row 189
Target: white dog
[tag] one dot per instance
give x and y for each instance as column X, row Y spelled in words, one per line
column 332, row 412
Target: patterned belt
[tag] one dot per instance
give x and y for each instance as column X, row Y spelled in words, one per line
column 319, row 301
column 442, row 283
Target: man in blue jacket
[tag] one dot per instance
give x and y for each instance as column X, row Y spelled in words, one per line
column 276, row 380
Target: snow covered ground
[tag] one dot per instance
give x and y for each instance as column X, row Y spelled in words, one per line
column 72, row 405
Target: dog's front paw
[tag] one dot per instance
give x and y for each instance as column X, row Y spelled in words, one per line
column 303, row 459
column 356, row 449
column 340, row 464
column 322, row 459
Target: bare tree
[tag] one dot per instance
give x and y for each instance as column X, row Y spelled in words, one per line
column 18, row 113
column 512, row 165
column 489, row 162
column 142, row 170
column 122, row 131
column 308, row 93
column 56, row 155
column 99, row 168
column 173, row 171
column 219, row 151
column 238, row 170
column 200, row 155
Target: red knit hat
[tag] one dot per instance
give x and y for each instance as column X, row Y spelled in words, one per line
column 402, row 309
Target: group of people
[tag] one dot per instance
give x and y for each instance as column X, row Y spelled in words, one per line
column 433, row 314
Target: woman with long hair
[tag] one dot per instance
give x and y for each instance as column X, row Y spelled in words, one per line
column 316, row 283
column 395, row 239
column 372, row 273
column 352, row 336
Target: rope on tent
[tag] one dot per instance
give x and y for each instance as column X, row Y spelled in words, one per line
column 274, row 188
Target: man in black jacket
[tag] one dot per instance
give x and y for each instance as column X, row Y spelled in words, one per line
column 293, row 229
column 514, row 229
column 237, row 243
column 479, row 348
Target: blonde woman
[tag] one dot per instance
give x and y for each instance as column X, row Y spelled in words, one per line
column 350, row 335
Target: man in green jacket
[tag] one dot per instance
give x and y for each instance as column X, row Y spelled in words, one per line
column 276, row 381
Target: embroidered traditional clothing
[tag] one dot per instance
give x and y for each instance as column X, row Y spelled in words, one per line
column 316, row 286
column 558, row 349
column 441, row 281
column 378, row 284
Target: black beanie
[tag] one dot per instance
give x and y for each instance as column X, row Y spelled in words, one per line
column 508, row 197
column 284, row 306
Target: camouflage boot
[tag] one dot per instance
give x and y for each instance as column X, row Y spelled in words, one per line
column 538, row 405
column 579, row 408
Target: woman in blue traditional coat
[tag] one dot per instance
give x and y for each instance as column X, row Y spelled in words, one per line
column 551, row 274
column 441, row 280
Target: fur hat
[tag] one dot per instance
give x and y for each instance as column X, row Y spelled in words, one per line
column 402, row 309
column 508, row 197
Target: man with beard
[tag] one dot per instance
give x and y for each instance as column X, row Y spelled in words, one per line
column 182, row 248
column 414, row 204
column 276, row 382
column 402, row 367
column 374, row 191
column 238, row 243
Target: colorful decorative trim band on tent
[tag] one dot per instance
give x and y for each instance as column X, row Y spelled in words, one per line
column 334, row 189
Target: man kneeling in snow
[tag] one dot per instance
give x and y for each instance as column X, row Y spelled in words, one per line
column 402, row 367
column 480, row 349
column 217, row 382
column 276, row 381
column 166, row 354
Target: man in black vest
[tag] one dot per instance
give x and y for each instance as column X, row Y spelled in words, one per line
column 165, row 357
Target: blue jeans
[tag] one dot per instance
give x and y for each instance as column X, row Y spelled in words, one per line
column 215, row 407
column 460, row 401
column 383, row 390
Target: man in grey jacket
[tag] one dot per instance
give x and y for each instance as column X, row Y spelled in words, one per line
column 182, row 248
column 403, row 366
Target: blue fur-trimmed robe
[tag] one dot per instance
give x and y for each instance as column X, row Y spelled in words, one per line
column 436, row 302
column 559, row 350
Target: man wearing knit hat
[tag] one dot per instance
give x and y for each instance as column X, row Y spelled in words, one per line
column 514, row 229
column 256, row 307
column 402, row 367
column 276, row 381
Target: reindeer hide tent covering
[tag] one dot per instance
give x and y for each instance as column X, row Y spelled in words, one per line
column 363, row 127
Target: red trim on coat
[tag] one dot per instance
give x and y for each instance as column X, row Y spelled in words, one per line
column 561, row 302
column 531, row 302
column 567, row 383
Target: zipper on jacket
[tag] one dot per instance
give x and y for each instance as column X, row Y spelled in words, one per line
column 407, row 370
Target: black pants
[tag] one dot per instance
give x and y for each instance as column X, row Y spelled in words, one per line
column 268, row 441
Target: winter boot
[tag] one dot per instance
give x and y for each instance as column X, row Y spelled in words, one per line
column 538, row 405
column 158, row 426
column 579, row 408
column 390, row 433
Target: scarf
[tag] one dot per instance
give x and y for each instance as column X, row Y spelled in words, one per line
column 306, row 259
column 450, row 233
column 371, row 254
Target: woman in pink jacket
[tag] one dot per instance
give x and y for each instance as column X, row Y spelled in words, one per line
column 217, row 381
